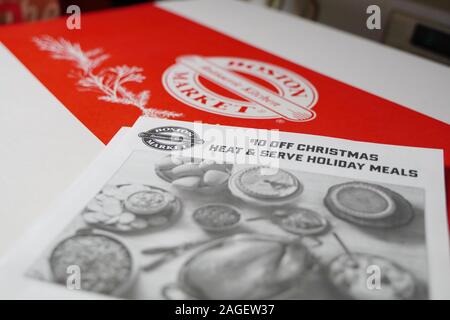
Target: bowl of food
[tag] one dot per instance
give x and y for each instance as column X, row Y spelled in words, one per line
column 348, row 274
column 217, row 217
column 301, row 221
column 106, row 264
column 194, row 174
column 132, row 208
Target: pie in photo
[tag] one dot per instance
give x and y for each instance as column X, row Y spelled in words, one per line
column 265, row 185
column 369, row 205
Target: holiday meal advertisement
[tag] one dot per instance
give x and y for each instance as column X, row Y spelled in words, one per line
column 145, row 60
column 185, row 210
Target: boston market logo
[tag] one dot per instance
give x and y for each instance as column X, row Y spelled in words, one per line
column 170, row 138
column 241, row 88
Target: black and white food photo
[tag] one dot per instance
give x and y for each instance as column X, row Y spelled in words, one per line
column 256, row 232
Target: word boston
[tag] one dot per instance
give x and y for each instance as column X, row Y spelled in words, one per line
column 335, row 162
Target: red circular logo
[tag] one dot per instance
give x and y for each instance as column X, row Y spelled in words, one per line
column 241, row 88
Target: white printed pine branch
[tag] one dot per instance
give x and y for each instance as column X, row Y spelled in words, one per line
column 109, row 82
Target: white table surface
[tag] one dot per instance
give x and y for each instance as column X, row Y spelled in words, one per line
column 44, row 148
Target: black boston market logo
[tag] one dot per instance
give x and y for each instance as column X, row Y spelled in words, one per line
column 170, row 138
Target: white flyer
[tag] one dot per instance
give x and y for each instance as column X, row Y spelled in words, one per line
column 183, row 210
